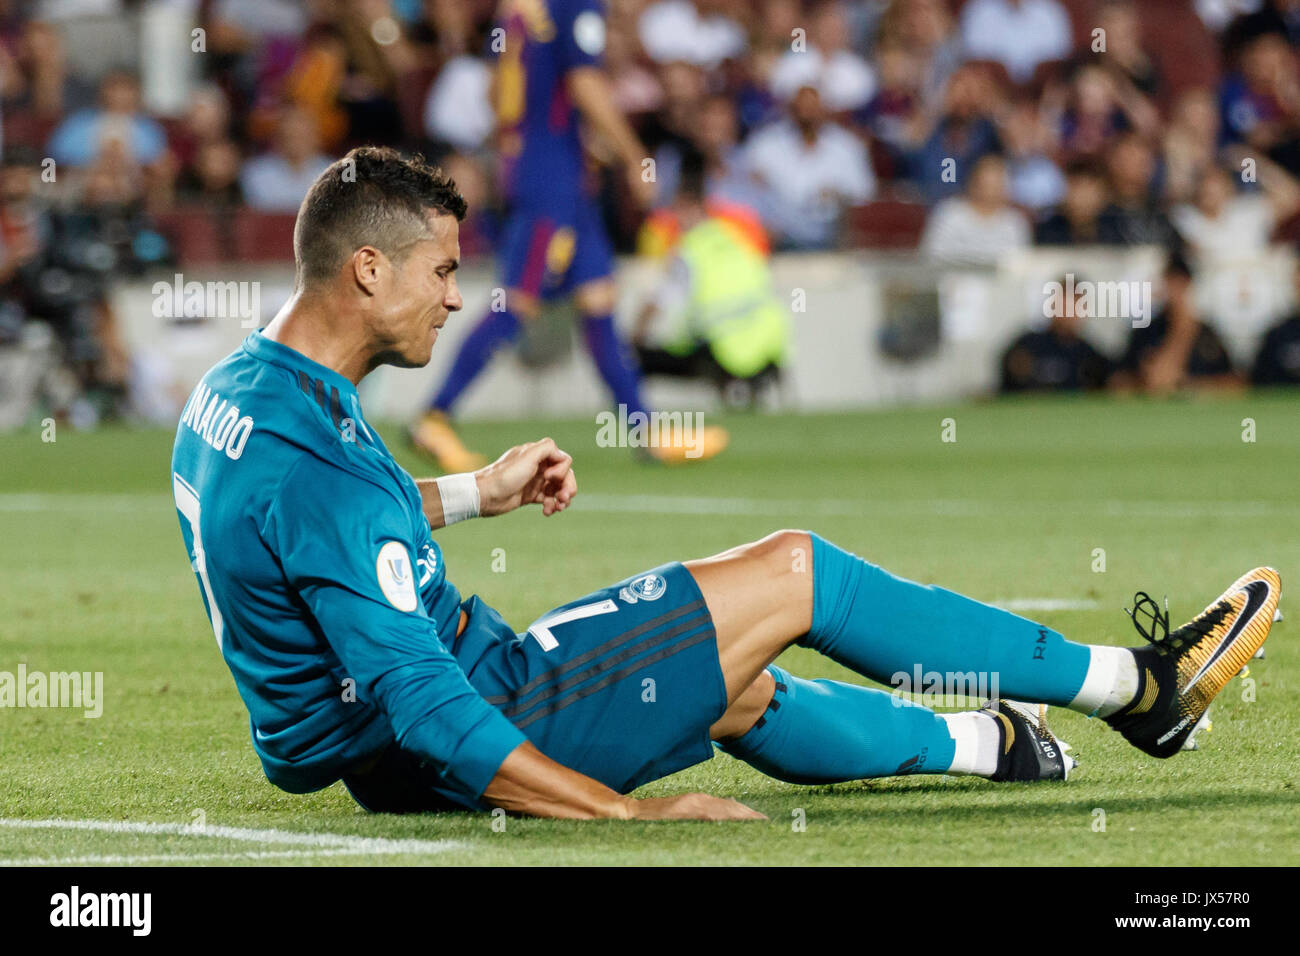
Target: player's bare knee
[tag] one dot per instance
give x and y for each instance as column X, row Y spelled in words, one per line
column 788, row 555
column 786, row 551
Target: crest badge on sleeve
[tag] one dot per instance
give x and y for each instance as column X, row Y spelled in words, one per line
column 648, row 587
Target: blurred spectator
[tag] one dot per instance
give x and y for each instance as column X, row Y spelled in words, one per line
column 1260, row 100
column 107, row 231
column 1263, row 16
column 313, row 80
column 118, row 119
column 1178, row 350
column 635, row 88
column 1057, row 358
column 1225, row 223
column 458, row 110
column 36, row 78
column 1036, row 182
column 57, row 264
column 1124, row 58
column 1217, row 14
column 446, row 29
column 772, row 33
column 1019, row 34
column 892, row 115
column 57, row 11
column 278, row 181
column 1278, row 359
column 1134, row 216
column 809, row 170
column 243, row 24
column 481, row 225
column 700, row 32
column 212, row 178
column 457, row 107
column 1097, row 109
column 957, row 135
column 975, row 230
column 344, row 69
column 1191, row 143
column 25, row 231
column 845, row 80
column 729, row 192
column 684, row 88
column 717, row 136
column 252, row 44
column 925, row 30
column 1078, row 220
column 379, row 55
column 207, row 120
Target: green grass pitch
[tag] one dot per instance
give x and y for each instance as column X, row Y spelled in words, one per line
column 93, row 577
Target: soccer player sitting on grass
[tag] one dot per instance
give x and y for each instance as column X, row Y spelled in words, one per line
column 359, row 660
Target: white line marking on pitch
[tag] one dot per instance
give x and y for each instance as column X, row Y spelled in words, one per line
column 116, row 860
column 946, row 507
column 328, row 844
column 42, row 502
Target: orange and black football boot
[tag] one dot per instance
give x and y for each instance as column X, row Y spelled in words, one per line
column 434, row 436
column 678, row 447
column 1181, row 672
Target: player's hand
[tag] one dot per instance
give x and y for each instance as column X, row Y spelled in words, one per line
column 537, row 473
column 691, row 806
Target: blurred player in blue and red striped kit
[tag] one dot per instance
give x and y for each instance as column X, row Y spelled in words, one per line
column 548, row 82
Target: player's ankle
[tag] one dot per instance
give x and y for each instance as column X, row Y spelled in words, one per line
column 977, row 740
column 1111, row 683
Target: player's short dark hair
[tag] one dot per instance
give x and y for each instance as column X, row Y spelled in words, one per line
column 373, row 196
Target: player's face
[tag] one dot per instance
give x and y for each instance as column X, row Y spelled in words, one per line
column 422, row 295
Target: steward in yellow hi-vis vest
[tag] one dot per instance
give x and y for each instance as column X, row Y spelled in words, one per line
column 717, row 296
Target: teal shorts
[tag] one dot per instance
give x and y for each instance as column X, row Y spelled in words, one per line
column 621, row 685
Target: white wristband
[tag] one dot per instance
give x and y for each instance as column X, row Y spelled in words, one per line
column 459, row 495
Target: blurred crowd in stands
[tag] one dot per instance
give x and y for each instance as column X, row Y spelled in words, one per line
column 962, row 128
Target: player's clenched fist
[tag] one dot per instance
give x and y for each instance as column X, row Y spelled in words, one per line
column 537, row 473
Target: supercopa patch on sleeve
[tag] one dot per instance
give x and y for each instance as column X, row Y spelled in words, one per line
column 396, row 576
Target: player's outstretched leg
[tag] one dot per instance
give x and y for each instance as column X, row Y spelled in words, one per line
column 622, row 375
column 825, row 731
column 595, row 300
column 796, row 587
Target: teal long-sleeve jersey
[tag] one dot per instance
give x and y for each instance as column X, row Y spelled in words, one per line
column 322, row 581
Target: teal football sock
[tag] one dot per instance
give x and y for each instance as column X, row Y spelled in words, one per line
column 899, row 632
column 824, row 731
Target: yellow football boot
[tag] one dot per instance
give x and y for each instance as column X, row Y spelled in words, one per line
column 678, row 447
column 433, row 436
column 1180, row 673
